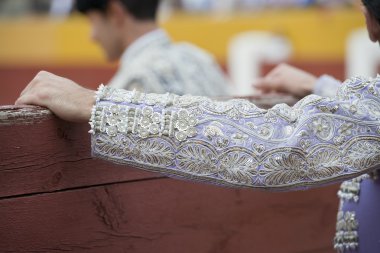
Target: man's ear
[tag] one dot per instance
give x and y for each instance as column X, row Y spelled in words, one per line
column 116, row 12
column 373, row 25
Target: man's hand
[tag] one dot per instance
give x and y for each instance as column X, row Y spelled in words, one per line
column 62, row 96
column 287, row 79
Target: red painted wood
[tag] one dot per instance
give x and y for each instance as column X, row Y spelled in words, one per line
column 169, row 216
column 54, row 197
column 44, row 154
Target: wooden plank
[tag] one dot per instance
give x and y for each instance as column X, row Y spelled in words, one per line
column 169, row 216
column 54, row 197
column 40, row 153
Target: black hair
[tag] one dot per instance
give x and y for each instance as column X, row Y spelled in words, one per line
column 373, row 7
column 139, row 9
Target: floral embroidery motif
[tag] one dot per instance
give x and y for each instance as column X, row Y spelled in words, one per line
column 145, row 122
column 185, row 124
column 322, row 128
column 238, row 167
column 153, row 152
column 284, row 169
column 364, row 154
column 319, row 140
column 325, row 163
column 197, row 159
column 214, row 133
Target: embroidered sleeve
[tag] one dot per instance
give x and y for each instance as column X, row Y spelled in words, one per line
column 234, row 143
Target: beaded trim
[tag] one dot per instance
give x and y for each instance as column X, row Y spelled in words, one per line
column 145, row 121
column 346, row 236
column 93, row 110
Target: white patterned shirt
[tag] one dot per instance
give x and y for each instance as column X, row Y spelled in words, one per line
column 154, row 64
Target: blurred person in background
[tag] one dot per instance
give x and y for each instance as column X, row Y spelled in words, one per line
column 294, row 81
column 127, row 30
column 287, row 79
column 318, row 141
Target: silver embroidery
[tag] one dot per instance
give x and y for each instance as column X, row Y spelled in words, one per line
column 196, row 159
column 317, row 141
column 363, row 154
column 346, row 236
column 238, row 167
column 323, row 128
column 144, row 122
column 349, row 190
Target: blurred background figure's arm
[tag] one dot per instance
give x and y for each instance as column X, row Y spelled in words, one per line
column 290, row 80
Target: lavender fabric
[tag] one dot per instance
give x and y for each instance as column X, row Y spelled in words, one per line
column 234, row 143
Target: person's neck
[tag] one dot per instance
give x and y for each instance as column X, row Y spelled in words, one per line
column 137, row 30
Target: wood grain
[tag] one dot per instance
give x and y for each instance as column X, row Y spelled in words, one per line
column 45, row 154
column 169, row 216
column 55, row 198
column 23, row 115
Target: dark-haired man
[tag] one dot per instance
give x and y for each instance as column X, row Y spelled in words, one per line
column 149, row 61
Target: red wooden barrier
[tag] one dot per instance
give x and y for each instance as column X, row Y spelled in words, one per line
column 55, row 198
